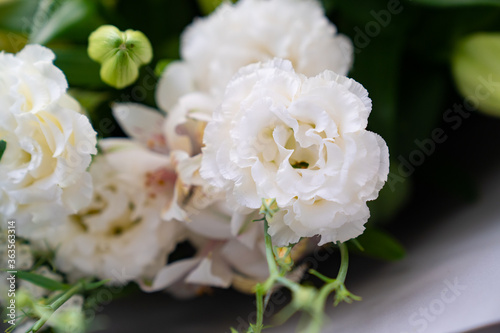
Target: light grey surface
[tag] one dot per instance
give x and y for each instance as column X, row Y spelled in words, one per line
column 414, row 295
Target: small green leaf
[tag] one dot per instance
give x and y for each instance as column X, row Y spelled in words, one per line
column 3, row 146
column 378, row 244
column 356, row 243
column 42, row 281
column 449, row 3
column 233, row 330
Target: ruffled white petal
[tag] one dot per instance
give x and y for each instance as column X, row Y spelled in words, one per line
column 302, row 141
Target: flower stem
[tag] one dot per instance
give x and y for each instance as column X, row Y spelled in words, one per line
column 271, row 262
column 265, row 288
column 260, row 311
column 344, row 263
column 77, row 288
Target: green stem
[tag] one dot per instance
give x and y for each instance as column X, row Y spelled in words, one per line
column 77, row 288
column 330, row 286
column 293, row 286
column 344, row 262
column 271, row 262
column 260, row 311
column 321, row 276
column 268, row 284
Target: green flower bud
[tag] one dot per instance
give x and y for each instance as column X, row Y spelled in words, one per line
column 476, row 68
column 120, row 53
column 304, row 297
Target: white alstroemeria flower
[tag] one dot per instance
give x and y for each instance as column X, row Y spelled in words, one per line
column 48, row 142
column 214, row 48
column 180, row 139
column 121, row 235
column 181, row 130
column 183, row 135
column 229, row 247
column 142, row 124
column 302, row 141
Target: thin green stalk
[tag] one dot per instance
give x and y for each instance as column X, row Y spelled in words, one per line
column 271, row 262
column 331, row 285
column 344, row 262
column 77, row 288
column 268, row 284
column 288, row 283
column 260, row 311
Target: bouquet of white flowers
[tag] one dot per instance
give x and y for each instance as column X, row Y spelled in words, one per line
column 228, row 165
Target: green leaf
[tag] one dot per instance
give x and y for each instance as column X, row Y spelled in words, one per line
column 12, row 42
column 378, row 244
column 17, row 15
column 449, row 3
column 3, row 146
column 89, row 99
column 233, row 330
column 80, row 70
column 208, row 6
column 63, row 17
column 42, row 281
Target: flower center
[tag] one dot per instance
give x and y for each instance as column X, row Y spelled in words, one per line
column 302, row 157
column 300, row 165
column 160, row 181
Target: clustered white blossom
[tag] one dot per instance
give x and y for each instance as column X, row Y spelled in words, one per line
column 214, row 48
column 48, row 142
column 257, row 107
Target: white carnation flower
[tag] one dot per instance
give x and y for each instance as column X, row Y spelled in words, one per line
column 302, row 141
column 121, row 235
column 48, row 142
column 214, row 48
